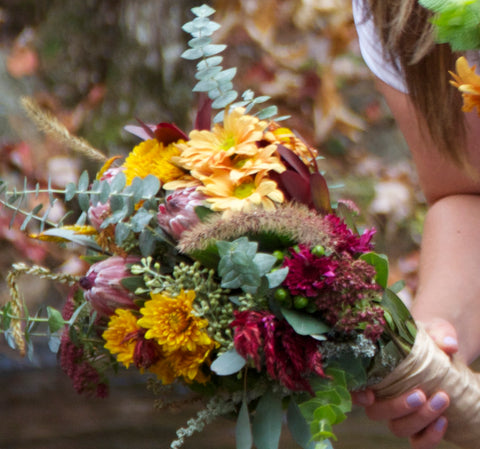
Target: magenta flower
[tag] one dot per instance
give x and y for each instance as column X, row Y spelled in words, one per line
column 346, row 239
column 288, row 357
column 177, row 214
column 102, row 284
column 308, row 274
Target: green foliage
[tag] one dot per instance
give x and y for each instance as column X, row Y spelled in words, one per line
column 242, row 267
column 212, row 78
column 380, row 263
column 267, row 422
column 457, row 22
column 230, row 362
column 305, row 323
column 133, row 209
column 329, row 406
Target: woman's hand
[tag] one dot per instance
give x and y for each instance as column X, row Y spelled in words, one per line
column 413, row 415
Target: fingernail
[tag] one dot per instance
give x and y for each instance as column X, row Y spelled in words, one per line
column 450, row 341
column 415, row 400
column 438, row 402
column 440, row 424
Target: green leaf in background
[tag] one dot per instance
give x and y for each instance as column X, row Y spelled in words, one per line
column 243, row 429
column 267, row 423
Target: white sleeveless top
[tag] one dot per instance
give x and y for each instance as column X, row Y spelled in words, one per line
column 372, row 51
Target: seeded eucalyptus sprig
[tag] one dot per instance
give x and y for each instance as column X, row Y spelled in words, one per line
column 212, row 78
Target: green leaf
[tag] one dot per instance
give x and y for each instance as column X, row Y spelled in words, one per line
column 299, row 427
column 208, row 73
column 122, row 232
column 267, row 422
column 228, row 363
column 264, row 262
column 141, row 220
column 224, row 99
column 243, row 429
column 213, row 49
column 212, row 62
column 199, row 42
column 70, row 191
column 55, row 320
column 83, row 182
column 203, row 11
column 267, row 112
column 150, row 186
column 192, row 54
column 146, row 242
column 275, row 278
column 118, row 182
column 303, row 323
column 205, row 85
column 380, row 263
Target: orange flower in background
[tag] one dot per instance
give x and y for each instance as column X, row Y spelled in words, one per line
column 468, row 83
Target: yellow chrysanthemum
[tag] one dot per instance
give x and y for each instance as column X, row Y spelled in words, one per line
column 120, row 335
column 184, row 364
column 225, row 195
column 209, row 150
column 286, row 137
column 151, row 157
column 173, row 323
column 468, row 83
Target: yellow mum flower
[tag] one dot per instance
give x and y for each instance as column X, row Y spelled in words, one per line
column 251, row 192
column 151, row 157
column 184, row 364
column 468, row 83
column 173, row 323
column 209, row 150
column 120, row 335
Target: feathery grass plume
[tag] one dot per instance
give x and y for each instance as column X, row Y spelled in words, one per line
column 290, row 224
column 51, row 126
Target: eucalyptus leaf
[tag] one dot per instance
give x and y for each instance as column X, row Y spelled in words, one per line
column 267, row 422
column 55, row 320
column 243, row 429
column 228, row 363
column 224, row 100
column 83, row 182
column 303, row 323
column 275, row 278
column 299, row 427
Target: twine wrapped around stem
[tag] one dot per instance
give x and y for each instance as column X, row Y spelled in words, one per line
column 429, row 368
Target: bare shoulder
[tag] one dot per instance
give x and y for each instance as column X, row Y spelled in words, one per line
column 439, row 177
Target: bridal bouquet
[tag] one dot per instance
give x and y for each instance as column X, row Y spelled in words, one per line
column 218, row 261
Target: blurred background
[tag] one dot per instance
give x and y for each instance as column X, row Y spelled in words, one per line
column 97, row 65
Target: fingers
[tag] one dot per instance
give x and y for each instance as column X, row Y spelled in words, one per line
column 431, row 436
column 363, row 398
column 421, row 419
column 443, row 334
column 397, row 407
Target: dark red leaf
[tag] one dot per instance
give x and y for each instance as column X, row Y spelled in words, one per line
column 295, row 186
column 294, row 161
column 168, row 133
column 203, row 120
column 320, row 194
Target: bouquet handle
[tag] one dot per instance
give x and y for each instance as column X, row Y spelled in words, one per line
column 430, row 369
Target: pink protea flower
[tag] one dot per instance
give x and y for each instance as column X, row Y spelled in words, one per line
column 102, row 284
column 177, row 214
column 308, row 274
column 289, row 357
column 98, row 212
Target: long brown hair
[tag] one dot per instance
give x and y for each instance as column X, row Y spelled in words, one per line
column 408, row 37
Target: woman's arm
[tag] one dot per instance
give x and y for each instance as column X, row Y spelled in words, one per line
column 448, row 299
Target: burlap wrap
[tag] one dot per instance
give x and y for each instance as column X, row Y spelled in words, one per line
column 429, row 368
